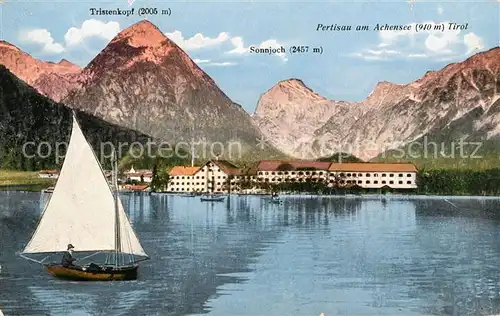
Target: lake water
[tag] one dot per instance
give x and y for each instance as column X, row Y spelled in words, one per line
column 307, row 256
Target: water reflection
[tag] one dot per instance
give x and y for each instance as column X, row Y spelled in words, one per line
column 344, row 256
column 88, row 299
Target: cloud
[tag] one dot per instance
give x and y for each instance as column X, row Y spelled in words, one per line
column 73, row 37
column 270, row 45
column 428, row 39
column 208, row 62
column 440, row 9
column 91, row 28
column 473, row 42
column 201, row 61
column 43, row 38
column 197, row 41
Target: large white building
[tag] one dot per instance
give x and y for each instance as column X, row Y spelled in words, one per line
column 221, row 176
column 277, row 171
column 215, row 176
column 374, row 175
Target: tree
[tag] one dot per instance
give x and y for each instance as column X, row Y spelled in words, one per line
column 155, row 179
column 285, row 167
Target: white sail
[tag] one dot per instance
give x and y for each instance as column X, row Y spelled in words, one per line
column 81, row 210
column 128, row 239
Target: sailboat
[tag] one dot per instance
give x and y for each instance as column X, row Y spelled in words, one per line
column 85, row 211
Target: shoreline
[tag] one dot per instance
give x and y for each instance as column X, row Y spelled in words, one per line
column 38, row 187
column 27, row 188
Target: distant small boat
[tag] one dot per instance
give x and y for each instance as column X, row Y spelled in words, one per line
column 212, row 198
column 48, row 190
column 275, row 200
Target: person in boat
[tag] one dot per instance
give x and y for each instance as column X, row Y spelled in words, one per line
column 67, row 259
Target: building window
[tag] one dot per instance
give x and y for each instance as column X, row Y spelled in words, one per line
column 408, row 175
column 266, row 173
column 408, row 182
column 342, row 174
column 383, row 175
column 383, row 182
column 391, row 175
column 400, row 182
column 375, row 182
column 375, row 174
column 391, row 182
column 360, row 174
column 400, row 174
column 361, row 182
column 368, row 175
column 367, row 181
column 348, row 174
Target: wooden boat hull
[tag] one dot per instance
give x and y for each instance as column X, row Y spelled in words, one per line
column 212, row 199
column 78, row 274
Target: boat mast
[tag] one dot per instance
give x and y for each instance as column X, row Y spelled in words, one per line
column 117, row 214
column 192, row 146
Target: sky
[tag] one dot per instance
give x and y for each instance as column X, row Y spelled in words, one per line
column 218, row 35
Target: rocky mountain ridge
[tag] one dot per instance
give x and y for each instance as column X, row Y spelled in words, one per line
column 144, row 81
column 306, row 125
column 50, row 79
column 31, row 117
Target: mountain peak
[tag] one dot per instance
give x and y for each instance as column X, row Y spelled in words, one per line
column 141, row 34
column 292, row 81
column 294, row 88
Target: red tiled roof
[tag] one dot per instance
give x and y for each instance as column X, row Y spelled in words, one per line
column 48, row 171
column 136, row 187
column 183, row 171
column 273, row 165
column 373, row 167
column 227, row 167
